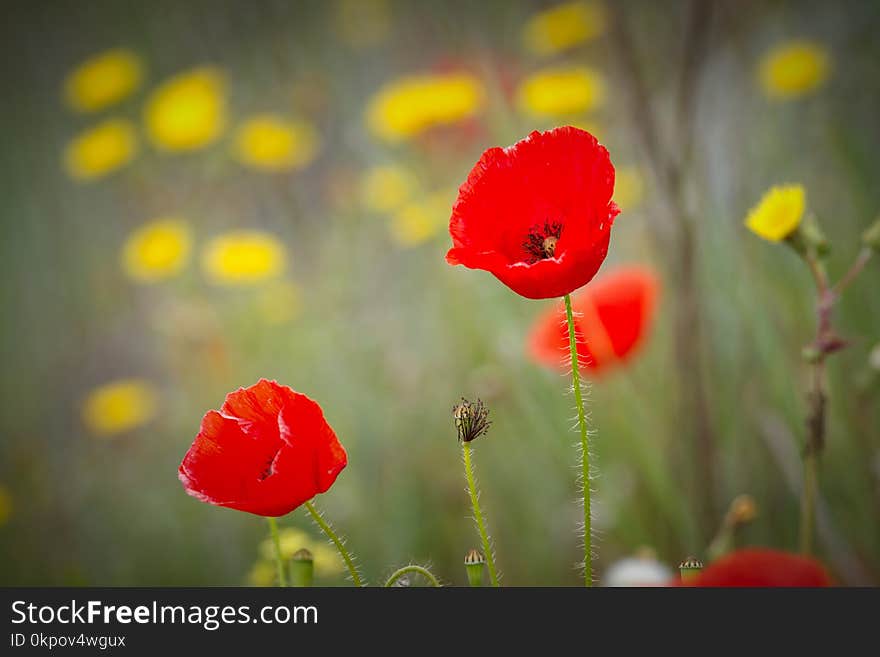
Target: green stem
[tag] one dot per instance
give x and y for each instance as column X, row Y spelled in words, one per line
column 328, row 531
column 478, row 515
column 279, row 561
column 424, row 572
column 585, row 446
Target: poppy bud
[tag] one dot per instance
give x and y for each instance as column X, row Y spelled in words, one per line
column 302, row 568
column 690, row 568
column 474, row 563
column 871, row 237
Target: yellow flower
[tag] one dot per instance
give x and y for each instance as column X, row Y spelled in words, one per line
column 327, row 560
column 562, row 91
column 158, row 249
column 387, row 187
column 188, row 111
column 120, row 406
column 363, row 23
column 103, row 80
column 406, row 107
column 417, row 222
column 101, row 150
column 778, row 214
column 629, row 187
column 564, row 26
column 279, row 302
column 794, row 69
column 5, row 505
column 243, row 257
column 272, row 143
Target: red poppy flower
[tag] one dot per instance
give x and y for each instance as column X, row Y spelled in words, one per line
column 762, row 567
column 613, row 315
column 538, row 214
column 267, row 450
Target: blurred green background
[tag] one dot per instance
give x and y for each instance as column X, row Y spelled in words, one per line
column 364, row 315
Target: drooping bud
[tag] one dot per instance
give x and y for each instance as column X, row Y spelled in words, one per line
column 302, row 568
column 690, row 568
column 474, row 564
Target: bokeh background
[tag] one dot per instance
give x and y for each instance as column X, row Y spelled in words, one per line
column 195, row 195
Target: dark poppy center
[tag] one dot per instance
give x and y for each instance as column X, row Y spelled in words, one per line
column 541, row 241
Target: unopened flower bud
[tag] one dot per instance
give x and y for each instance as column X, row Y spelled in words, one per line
column 871, row 237
column 743, row 510
column 474, row 563
column 302, row 568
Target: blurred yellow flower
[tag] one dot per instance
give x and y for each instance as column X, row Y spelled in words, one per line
column 778, row 214
column 387, row 187
column 120, row 406
column 419, row 221
column 562, row 91
column 629, row 187
column 103, row 80
column 272, row 143
column 363, row 23
column 101, row 150
column 327, row 560
column 408, row 106
column 5, row 505
column 188, row 111
column 243, row 257
column 279, row 302
column 159, row 249
column 564, row 26
column 794, row 69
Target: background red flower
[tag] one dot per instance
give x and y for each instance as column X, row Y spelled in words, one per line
column 762, row 567
column 538, row 214
column 267, row 450
column 614, row 314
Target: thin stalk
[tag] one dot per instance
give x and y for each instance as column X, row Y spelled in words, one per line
column 585, row 445
column 478, row 514
column 279, row 561
column 412, row 568
column 340, row 547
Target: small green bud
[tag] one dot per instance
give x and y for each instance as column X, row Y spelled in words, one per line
column 302, row 568
column 871, row 237
column 690, row 568
column 474, row 563
column 810, row 354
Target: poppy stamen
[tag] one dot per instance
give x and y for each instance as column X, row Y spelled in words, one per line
column 541, row 241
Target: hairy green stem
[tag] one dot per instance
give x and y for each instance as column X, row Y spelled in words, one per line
column 424, row 572
column 340, row 547
column 585, row 445
column 478, row 514
column 279, row 561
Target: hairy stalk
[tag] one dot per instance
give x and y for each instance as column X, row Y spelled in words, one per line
column 585, row 445
column 412, row 568
column 279, row 562
column 478, row 514
column 340, row 547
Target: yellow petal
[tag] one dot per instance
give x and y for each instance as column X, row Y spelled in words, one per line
column 562, row 92
column 272, row 143
column 243, row 257
column 119, row 406
column 101, row 150
column 103, row 80
column 564, row 26
column 779, row 212
column 188, row 111
column 794, row 69
column 157, row 250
